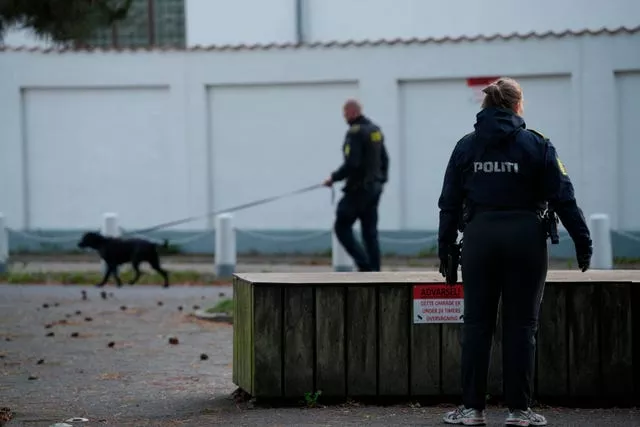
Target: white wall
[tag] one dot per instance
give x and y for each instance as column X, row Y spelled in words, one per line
column 628, row 124
column 220, row 22
column 224, row 22
column 159, row 136
column 119, row 146
column 367, row 19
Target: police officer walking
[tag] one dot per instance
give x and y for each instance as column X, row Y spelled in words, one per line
column 365, row 169
column 504, row 174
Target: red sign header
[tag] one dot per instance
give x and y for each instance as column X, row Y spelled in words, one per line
column 438, row 291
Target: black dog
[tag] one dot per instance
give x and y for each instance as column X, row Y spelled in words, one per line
column 118, row 251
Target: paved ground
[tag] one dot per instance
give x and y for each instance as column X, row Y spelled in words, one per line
column 145, row 381
column 196, row 267
column 206, row 265
column 246, row 263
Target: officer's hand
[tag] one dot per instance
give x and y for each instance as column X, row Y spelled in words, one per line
column 442, row 255
column 583, row 255
column 443, row 268
column 327, row 182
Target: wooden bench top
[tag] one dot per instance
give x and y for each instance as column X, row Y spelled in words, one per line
column 404, row 277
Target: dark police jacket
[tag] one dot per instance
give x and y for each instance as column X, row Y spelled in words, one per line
column 366, row 161
column 503, row 165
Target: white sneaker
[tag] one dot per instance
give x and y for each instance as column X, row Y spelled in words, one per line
column 525, row 418
column 464, row 416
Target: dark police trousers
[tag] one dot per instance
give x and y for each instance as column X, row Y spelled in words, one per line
column 504, row 254
column 360, row 204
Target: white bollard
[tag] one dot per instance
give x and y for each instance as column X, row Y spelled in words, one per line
column 110, row 225
column 110, row 229
column 340, row 259
column 225, row 251
column 4, row 245
column 600, row 226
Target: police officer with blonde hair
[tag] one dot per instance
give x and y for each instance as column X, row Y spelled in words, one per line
column 504, row 175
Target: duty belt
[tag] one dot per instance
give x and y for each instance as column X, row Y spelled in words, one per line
column 478, row 209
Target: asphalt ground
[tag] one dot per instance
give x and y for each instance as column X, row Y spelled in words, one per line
column 143, row 380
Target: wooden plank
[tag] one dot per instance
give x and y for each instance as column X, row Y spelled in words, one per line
column 242, row 336
column 298, row 341
column 425, row 359
column 393, row 325
column 410, row 277
column 236, row 333
column 494, row 380
column 451, row 359
column 330, row 344
column 584, row 354
column 553, row 346
column 247, row 363
column 267, row 327
column 616, row 340
column 361, row 341
column 635, row 333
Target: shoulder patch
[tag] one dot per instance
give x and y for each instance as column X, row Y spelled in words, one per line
column 538, row 133
column 376, row 136
column 563, row 169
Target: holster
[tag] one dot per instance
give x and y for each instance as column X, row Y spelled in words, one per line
column 550, row 221
column 465, row 216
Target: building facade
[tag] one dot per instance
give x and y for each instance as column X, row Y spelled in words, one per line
column 162, row 135
column 224, row 22
column 221, row 22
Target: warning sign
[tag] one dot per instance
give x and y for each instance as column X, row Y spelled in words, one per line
column 438, row 303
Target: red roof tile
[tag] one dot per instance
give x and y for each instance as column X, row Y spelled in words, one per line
column 333, row 44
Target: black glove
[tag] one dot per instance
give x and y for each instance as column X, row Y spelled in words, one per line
column 449, row 260
column 583, row 255
column 443, row 267
column 444, row 259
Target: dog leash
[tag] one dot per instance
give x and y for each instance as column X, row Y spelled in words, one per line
column 233, row 209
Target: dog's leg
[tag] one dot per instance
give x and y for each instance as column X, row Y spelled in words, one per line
column 154, row 261
column 107, row 272
column 117, row 276
column 136, row 269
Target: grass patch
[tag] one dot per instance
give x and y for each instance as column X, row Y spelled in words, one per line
column 311, row 399
column 93, row 277
column 428, row 252
column 620, row 260
column 223, row 306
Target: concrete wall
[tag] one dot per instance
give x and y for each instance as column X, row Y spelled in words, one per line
column 219, row 22
column 159, row 136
